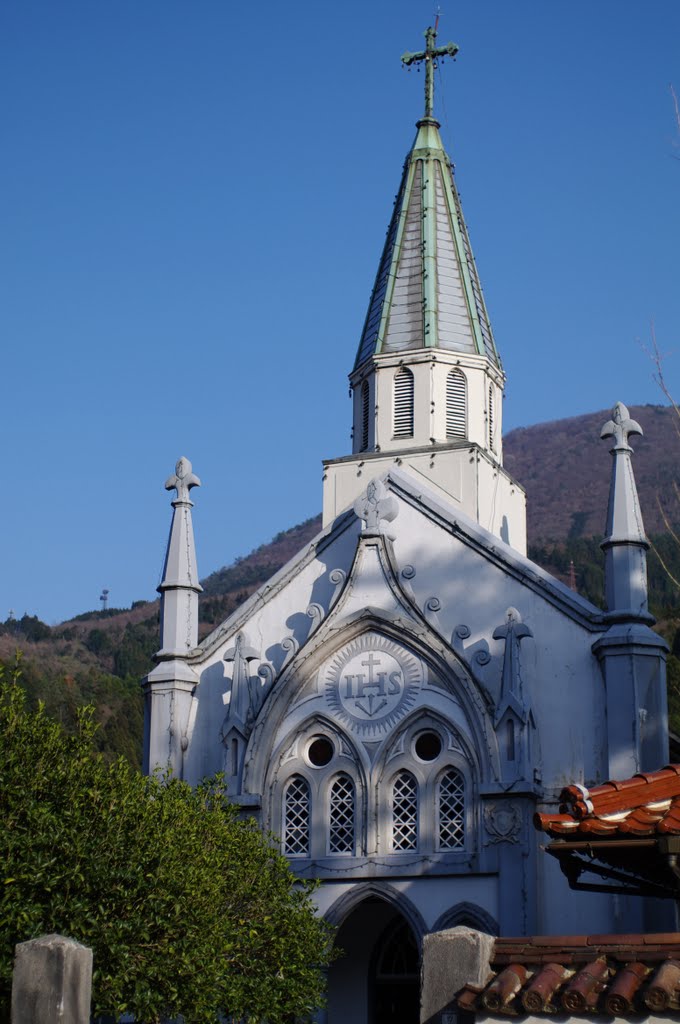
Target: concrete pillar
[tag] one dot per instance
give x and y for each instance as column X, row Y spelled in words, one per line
column 452, row 959
column 52, row 982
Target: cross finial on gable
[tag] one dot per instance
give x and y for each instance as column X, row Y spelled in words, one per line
column 182, row 480
column 374, row 505
column 620, row 427
column 429, row 55
column 513, row 631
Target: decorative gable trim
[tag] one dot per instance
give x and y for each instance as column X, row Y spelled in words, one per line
column 490, row 547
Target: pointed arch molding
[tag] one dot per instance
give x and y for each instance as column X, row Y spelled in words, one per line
column 339, row 911
column 468, row 914
column 417, row 640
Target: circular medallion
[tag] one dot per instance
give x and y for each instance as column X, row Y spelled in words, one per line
column 372, row 683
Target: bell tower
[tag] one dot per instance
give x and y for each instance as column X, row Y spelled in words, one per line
column 427, row 382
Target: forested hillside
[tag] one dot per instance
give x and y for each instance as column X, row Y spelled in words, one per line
column 100, row 656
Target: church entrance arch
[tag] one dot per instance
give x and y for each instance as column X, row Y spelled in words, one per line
column 376, row 978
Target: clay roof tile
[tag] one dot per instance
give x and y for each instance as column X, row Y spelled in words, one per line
column 503, row 989
column 582, row 992
column 537, row 996
column 619, row 998
column 662, row 990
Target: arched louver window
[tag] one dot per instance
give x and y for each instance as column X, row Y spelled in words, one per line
column 341, row 815
column 403, row 403
column 365, row 411
column 296, row 817
column 456, row 404
column 405, row 812
column 451, row 802
column 492, row 421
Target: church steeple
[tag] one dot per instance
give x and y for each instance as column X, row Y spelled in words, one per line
column 427, row 381
column 427, row 292
column 427, row 371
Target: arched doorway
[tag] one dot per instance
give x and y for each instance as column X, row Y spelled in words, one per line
column 395, row 977
column 376, row 979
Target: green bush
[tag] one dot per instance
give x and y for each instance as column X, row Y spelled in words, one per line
column 187, row 908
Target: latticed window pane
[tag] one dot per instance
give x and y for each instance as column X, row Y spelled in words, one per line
column 403, row 403
column 456, row 404
column 365, row 415
column 492, row 422
column 296, row 815
column 341, row 838
column 405, row 812
column 451, row 810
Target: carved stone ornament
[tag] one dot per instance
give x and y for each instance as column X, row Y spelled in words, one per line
column 620, row 427
column 371, row 684
column 503, row 822
column 375, row 505
column 183, row 480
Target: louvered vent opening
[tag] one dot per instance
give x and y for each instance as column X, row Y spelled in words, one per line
column 365, row 410
column 492, row 421
column 456, row 404
column 403, row 403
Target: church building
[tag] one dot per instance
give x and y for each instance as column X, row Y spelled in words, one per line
column 399, row 699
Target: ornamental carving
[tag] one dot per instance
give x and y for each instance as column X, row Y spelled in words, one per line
column 371, row 684
column 503, row 822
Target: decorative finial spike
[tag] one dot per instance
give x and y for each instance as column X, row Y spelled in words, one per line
column 625, row 544
column 620, row 427
column 183, row 480
column 375, row 505
column 429, row 55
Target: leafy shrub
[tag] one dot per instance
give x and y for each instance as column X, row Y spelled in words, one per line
column 187, row 908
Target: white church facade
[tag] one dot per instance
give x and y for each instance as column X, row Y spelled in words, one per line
column 399, row 700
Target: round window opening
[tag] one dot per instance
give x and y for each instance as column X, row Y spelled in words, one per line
column 428, row 746
column 320, row 751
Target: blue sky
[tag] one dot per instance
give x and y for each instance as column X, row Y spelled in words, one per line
column 193, row 200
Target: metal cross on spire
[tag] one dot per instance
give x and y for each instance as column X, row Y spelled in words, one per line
column 429, row 55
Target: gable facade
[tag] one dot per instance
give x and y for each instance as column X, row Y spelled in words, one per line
column 403, row 696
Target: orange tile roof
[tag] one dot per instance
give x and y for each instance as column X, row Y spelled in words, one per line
column 648, row 804
column 617, row 975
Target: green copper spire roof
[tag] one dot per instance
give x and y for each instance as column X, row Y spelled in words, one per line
column 427, row 292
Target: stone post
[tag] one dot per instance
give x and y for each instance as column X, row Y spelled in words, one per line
column 452, row 959
column 52, row 982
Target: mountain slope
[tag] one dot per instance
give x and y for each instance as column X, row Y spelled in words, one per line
column 565, row 471
column 99, row 657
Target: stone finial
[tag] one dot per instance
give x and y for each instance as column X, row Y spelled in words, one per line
column 620, row 427
column 513, row 631
column 375, row 505
column 183, row 480
column 238, row 697
column 169, row 686
column 625, row 544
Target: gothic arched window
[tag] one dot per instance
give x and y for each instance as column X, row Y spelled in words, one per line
column 403, row 403
column 405, row 812
column 296, row 816
column 365, row 414
column 341, row 815
column 451, row 808
column 456, row 404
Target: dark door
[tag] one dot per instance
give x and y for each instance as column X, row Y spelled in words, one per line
column 396, row 977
